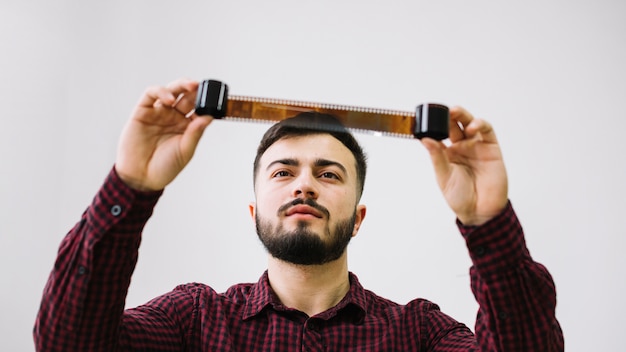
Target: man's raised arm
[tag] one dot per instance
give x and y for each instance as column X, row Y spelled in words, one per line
column 516, row 295
column 83, row 301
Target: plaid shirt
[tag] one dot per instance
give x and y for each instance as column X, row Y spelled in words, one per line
column 83, row 303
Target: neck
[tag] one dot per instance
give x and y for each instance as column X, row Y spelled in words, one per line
column 311, row 289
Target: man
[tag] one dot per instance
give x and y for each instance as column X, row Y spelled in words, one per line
column 307, row 185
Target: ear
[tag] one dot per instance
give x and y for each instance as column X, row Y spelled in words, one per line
column 252, row 208
column 361, row 210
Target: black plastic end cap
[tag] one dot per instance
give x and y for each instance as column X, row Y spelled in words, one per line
column 212, row 98
column 432, row 121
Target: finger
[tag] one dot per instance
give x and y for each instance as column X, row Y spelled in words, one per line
column 178, row 99
column 459, row 119
column 184, row 105
column 191, row 114
column 156, row 95
column 482, row 129
column 471, row 126
column 183, row 85
column 455, row 132
column 461, row 115
column 167, row 95
column 185, row 91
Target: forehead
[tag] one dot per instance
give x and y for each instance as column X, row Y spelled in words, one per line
column 309, row 148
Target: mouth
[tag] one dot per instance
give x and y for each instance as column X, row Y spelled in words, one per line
column 303, row 210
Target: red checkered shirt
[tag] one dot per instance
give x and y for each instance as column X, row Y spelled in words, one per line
column 83, row 303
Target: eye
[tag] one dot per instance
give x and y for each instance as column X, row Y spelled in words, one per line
column 281, row 173
column 329, row 174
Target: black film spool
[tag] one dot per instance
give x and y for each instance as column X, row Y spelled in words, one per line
column 212, row 98
column 432, row 121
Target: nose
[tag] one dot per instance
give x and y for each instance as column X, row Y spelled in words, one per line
column 305, row 187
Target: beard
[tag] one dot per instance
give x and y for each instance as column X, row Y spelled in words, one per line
column 303, row 246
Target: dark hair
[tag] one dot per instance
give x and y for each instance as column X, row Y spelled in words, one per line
column 308, row 123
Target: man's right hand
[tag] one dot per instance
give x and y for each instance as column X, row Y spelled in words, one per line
column 158, row 141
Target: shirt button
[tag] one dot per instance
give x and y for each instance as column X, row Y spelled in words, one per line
column 116, row 210
column 480, row 251
column 82, row 270
column 503, row 315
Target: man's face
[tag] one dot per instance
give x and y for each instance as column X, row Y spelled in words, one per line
column 306, row 195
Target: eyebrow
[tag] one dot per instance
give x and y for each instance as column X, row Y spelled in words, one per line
column 317, row 163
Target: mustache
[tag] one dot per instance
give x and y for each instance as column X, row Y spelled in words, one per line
column 307, row 201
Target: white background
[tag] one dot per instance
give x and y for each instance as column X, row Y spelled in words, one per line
column 549, row 75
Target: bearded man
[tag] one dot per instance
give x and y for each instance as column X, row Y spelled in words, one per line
column 308, row 183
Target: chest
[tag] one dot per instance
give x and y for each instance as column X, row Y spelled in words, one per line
column 281, row 331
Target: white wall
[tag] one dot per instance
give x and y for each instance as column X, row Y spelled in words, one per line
column 549, row 75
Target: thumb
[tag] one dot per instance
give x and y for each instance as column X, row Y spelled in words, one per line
column 192, row 135
column 439, row 159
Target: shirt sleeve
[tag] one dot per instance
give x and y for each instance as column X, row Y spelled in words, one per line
column 516, row 296
column 83, row 300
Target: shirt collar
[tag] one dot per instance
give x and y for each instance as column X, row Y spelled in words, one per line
column 262, row 296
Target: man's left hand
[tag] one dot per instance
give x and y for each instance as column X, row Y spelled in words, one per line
column 470, row 171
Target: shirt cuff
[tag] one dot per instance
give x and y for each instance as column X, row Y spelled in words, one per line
column 497, row 246
column 120, row 206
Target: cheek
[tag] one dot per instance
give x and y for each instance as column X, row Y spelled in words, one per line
column 345, row 204
column 267, row 203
